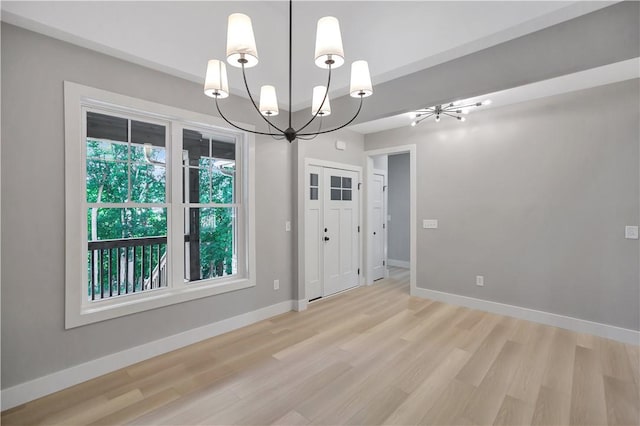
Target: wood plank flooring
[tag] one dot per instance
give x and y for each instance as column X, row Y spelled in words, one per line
column 372, row 355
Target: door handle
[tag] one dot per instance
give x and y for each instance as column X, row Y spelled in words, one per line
column 326, row 238
column 374, row 233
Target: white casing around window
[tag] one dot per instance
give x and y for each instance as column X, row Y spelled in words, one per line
column 78, row 310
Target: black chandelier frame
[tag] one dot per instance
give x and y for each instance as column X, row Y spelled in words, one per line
column 290, row 133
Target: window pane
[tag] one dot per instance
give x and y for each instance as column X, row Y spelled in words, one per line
column 126, row 252
column 107, row 180
column 346, row 182
column 313, row 193
column 210, row 177
column 335, row 194
column 314, row 179
column 346, row 194
column 336, row 182
column 148, row 183
column 102, row 126
column 210, row 243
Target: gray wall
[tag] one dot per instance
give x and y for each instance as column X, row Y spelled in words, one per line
column 398, row 208
column 34, row 342
column 535, row 197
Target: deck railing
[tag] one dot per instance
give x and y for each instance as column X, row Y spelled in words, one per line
column 126, row 266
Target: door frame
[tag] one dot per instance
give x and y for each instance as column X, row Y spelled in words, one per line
column 413, row 228
column 301, row 303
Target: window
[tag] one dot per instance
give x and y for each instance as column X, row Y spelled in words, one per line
column 157, row 208
column 341, row 188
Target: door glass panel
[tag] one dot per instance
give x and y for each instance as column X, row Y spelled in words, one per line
column 336, row 182
column 314, row 179
column 346, row 194
column 313, row 193
column 346, row 182
column 335, row 194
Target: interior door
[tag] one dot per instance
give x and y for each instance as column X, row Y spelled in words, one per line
column 377, row 226
column 340, row 230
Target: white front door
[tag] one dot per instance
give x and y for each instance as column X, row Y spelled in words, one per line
column 340, row 230
column 377, row 226
column 331, row 231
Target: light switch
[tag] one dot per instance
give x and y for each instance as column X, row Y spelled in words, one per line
column 430, row 223
column 287, row 226
column 631, row 232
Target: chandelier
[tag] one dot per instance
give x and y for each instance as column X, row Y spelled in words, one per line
column 329, row 54
column 455, row 110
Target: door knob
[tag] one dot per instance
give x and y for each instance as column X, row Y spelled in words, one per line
column 326, row 238
column 374, row 233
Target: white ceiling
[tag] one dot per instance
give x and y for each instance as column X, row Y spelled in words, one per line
column 607, row 74
column 395, row 37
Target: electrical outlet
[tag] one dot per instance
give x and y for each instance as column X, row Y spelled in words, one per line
column 276, row 284
column 480, row 280
column 287, row 226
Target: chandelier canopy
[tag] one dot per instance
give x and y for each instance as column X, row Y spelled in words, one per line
column 329, row 54
column 455, row 110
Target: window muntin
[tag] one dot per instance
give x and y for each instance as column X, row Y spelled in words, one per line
column 341, row 188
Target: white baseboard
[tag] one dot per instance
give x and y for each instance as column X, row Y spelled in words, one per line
column 398, row 263
column 28, row 391
column 300, row 305
column 574, row 324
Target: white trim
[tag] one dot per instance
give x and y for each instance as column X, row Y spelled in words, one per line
column 300, row 305
column 28, row 391
column 413, row 212
column 574, row 324
column 399, row 263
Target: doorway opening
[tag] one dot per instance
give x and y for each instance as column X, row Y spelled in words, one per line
column 390, row 214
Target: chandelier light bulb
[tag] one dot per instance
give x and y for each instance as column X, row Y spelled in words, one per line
column 462, row 118
column 318, row 95
column 268, row 101
column 329, row 49
column 241, row 44
column 487, row 102
column 215, row 82
column 465, row 111
column 360, row 80
column 413, row 123
column 437, row 118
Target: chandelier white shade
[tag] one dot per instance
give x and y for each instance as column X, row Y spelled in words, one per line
column 329, row 49
column 216, row 83
column 329, row 54
column 317, row 106
column 360, row 80
column 241, row 44
column 268, row 101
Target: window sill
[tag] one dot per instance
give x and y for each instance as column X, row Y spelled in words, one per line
column 92, row 312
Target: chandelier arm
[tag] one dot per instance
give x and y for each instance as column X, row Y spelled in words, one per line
column 238, row 127
column 424, row 118
column 278, row 138
column 246, row 85
column 451, row 115
column 326, row 94
column 316, row 134
column 340, row 127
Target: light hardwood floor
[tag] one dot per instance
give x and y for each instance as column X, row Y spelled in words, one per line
column 372, row 355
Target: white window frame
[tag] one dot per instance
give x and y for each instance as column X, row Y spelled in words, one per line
column 78, row 309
